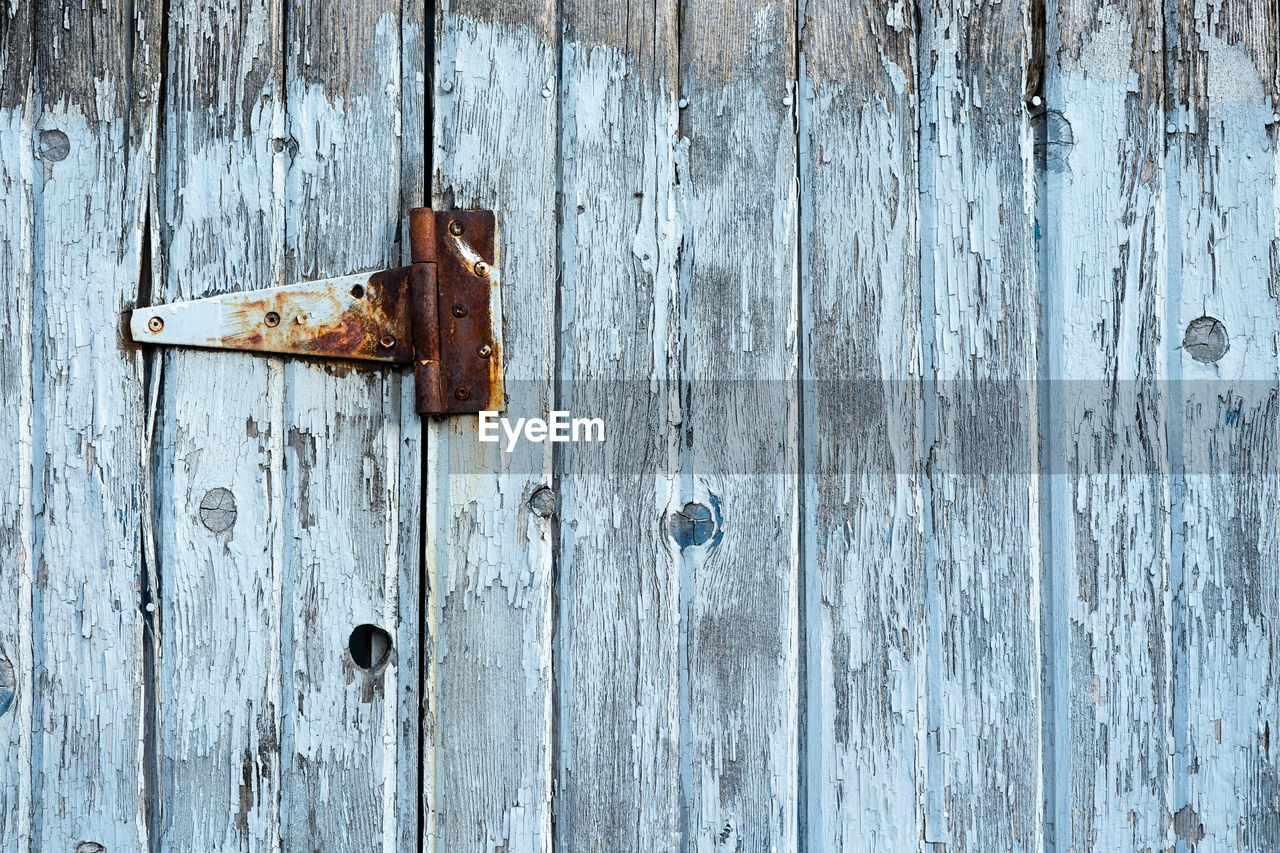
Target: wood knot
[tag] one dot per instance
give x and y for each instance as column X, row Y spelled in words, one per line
column 54, row 146
column 695, row 524
column 218, row 509
column 8, row 684
column 1205, row 339
column 543, row 502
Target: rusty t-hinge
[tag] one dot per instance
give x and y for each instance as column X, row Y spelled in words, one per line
column 442, row 313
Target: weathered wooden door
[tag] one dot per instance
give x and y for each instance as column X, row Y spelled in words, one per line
column 936, row 348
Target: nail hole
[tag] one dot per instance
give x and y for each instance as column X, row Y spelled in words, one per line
column 358, row 291
column 387, row 341
column 272, row 318
column 1205, row 339
column 370, row 647
column 218, row 509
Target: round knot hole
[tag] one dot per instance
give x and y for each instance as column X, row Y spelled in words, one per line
column 370, row 647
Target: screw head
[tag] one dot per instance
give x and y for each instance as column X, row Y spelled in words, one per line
column 462, row 392
column 387, row 341
column 484, row 350
column 272, row 319
column 155, row 324
column 459, row 310
column 455, row 228
column 481, row 268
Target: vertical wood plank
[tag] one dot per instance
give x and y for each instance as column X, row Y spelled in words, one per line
column 352, row 452
column 618, row 683
column 489, row 549
column 17, row 517
column 1224, row 263
column 861, row 340
column 740, row 424
column 1107, row 600
column 219, row 437
column 983, row 784
column 74, row 189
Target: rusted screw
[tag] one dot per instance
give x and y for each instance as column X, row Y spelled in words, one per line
column 459, row 310
column 481, row 268
column 272, row 319
column 484, row 350
column 462, row 392
column 455, row 228
column 387, row 341
column 155, row 324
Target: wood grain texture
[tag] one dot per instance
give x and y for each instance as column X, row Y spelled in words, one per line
column 352, row 466
column 618, row 683
column 983, row 786
column 1106, row 347
column 18, row 168
column 1223, row 261
column 71, row 202
column 220, row 424
column 268, row 181
column 489, row 555
column 739, row 422
column 863, row 473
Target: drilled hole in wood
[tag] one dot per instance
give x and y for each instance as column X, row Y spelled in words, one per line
column 1205, row 339
column 370, row 647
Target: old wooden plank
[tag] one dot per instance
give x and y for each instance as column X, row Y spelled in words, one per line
column 1105, row 352
column 861, row 340
column 979, row 321
column 72, row 196
column 488, row 522
column 219, row 437
column 352, row 458
column 618, row 682
column 1224, row 262
column 740, row 424
column 18, row 168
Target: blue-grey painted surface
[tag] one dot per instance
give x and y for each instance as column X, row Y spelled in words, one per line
column 937, row 346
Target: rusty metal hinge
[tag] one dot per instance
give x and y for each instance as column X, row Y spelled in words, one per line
column 441, row 313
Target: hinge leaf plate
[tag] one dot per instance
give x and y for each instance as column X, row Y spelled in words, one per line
column 355, row 316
